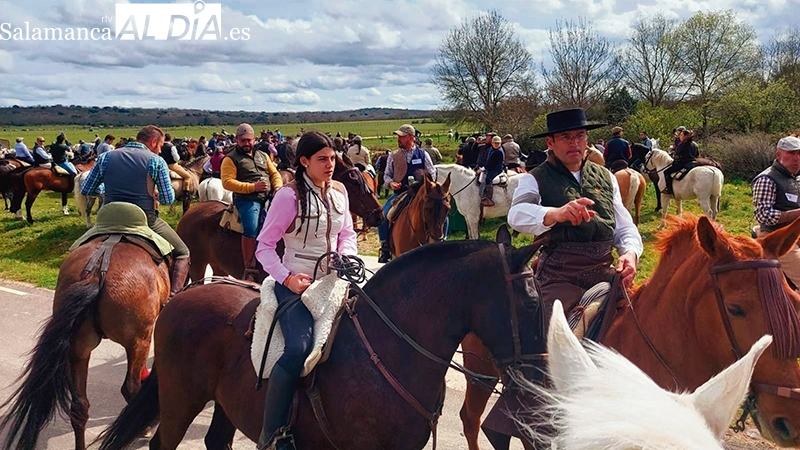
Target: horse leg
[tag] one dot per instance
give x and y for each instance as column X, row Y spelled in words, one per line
column 220, row 432
column 664, row 211
column 64, row 209
column 477, row 358
column 29, row 204
column 177, row 414
column 81, row 347
column 88, row 212
column 137, row 351
column 472, row 228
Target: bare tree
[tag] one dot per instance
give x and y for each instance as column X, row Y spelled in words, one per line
column 651, row 61
column 717, row 50
column 518, row 112
column 480, row 64
column 782, row 58
column 584, row 65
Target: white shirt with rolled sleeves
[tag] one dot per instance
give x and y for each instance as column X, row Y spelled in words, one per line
column 527, row 215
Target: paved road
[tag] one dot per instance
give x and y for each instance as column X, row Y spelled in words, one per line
column 23, row 309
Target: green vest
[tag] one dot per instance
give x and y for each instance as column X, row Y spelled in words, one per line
column 786, row 185
column 557, row 187
column 250, row 169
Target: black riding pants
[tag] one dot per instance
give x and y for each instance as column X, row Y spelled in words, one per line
column 676, row 167
column 297, row 326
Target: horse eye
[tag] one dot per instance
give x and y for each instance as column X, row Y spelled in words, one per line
column 736, row 310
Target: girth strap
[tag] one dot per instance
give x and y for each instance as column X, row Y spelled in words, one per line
column 319, row 411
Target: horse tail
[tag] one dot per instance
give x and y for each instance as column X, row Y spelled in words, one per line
column 47, row 385
column 142, row 413
column 80, row 199
column 719, row 180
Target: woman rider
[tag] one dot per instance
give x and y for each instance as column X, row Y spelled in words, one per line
column 685, row 153
column 311, row 216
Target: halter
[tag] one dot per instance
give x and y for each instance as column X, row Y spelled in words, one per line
column 428, row 236
column 750, row 403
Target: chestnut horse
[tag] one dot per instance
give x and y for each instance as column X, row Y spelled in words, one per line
column 372, row 183
column 31, row 181
column 422, row 220
column 202, row 353
column 120, row 304
column 195, row 169
column 210, row 245
column 682, row 340
column 631, row 187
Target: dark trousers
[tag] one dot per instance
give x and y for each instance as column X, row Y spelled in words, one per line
column 676, row 167
column 180, row 250
column 297, row 326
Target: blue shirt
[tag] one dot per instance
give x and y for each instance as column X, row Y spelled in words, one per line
column 157, row 169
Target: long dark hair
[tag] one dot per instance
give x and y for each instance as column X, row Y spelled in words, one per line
column 309, row 144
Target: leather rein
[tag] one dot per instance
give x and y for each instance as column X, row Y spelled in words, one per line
column 750, row 403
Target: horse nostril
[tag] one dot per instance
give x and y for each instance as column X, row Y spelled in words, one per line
column 783, row 429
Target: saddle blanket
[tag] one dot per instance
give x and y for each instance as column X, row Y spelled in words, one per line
column 323, row 299
column 59, row 170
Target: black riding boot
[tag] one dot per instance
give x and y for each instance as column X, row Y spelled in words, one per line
column 280, row 393
column 386, row 253
column 668, row 180
column 180, row 271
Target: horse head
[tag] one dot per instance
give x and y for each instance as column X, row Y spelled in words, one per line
column 586, row 380
column 432, row 202
column 362, row 198
column 732, row 292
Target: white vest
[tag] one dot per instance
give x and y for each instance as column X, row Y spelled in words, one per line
column 320, row 232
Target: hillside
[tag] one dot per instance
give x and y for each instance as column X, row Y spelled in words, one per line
column 113, row 116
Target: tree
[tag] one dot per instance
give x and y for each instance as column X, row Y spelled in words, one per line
column 584, row 65
column 517, row 113
column 651, row 60
column 782, row 58
column 619, row 105
column 757, row 106
column 480, row 64
column 717, row 50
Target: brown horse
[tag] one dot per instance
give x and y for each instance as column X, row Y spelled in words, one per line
column 372, row 183
column 7, row 165
column 31, row 181
column 202, row 353
column 422, row 220
column 681, row 333
column 210, row 245
column 195, row 169
column 120, row 304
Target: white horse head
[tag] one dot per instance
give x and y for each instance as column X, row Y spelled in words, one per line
column 602, row 401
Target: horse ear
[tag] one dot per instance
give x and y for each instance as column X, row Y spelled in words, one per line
column 718, row 399
column 446, row 184
column 503, row 236
column 714, row 244
column 779, row 242
column 568, row 360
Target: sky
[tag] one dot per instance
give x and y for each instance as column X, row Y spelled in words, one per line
column 301, row 55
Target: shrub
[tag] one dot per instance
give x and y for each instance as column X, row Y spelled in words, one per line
column 742, row 156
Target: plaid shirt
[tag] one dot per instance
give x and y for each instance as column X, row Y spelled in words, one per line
column 156, row 168
column 764, row 194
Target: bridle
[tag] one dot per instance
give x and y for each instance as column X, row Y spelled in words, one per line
column 440, row 203
column 715, row 270
column 347, row 173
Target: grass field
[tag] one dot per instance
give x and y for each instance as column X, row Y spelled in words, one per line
column 33, row 253
column 373, row 131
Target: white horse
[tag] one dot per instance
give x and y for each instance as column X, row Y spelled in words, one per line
column 211, row 189
column 85, row 203
column 703, row 183
column 468, row 199
column 602, row 401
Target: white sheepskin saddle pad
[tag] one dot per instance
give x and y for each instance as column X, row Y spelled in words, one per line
column 323, row 299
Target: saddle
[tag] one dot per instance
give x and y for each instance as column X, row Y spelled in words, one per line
column 679, row 175
column 500, row 180
column 398, row 205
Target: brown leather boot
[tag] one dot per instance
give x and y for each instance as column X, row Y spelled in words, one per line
column 249, row 256
column 487, row 196
column 180, row 271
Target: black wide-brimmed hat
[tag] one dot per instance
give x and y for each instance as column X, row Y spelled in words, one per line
column 567, row 120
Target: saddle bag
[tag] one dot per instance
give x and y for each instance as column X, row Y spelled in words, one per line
column 230, row 219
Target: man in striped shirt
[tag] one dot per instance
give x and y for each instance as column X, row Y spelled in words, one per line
column 133, row 174
column 775, row 199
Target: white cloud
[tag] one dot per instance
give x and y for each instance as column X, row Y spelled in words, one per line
column 373, row 92
column 296, row 98
column 6, row 61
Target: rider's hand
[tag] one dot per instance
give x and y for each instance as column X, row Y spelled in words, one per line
column 298, row 283
column 260, row 186
column 395, row 185
column 626, row 267
column 575, row 212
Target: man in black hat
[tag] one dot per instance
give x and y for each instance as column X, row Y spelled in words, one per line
column 578, row 204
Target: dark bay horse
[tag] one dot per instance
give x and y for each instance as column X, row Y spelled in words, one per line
column 121, row 305
column 29, row 182
column 694, row 332
column 422, row 220
column 202, row 352
column 210, row 245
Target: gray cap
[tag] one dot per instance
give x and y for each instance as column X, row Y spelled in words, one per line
column 406, row 130
column 244, row 130
column 681, row 128
column 789, row 144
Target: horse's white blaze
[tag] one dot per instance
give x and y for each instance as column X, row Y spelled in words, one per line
column 211, row 189
column 602, row 401
column 703, row 183
column 468, row 199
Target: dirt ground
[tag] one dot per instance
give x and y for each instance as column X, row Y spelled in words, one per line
column 749, row 439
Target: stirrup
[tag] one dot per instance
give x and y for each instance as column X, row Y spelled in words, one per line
column 281, row 440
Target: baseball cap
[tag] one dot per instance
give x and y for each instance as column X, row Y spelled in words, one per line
column 789, row 144
column 616, row 130
column 244, row 130
column 497, row 139
column 406, row 130
column 681, row 128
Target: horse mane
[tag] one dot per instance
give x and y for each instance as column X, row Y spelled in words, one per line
column 195, row 163
column 682, row 232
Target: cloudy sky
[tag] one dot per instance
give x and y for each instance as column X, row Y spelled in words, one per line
column 301, row 54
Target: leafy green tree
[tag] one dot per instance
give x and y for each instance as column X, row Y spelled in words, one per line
column 659, row 121
column 756, row 106
column 480, row 64
column 619, row 105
